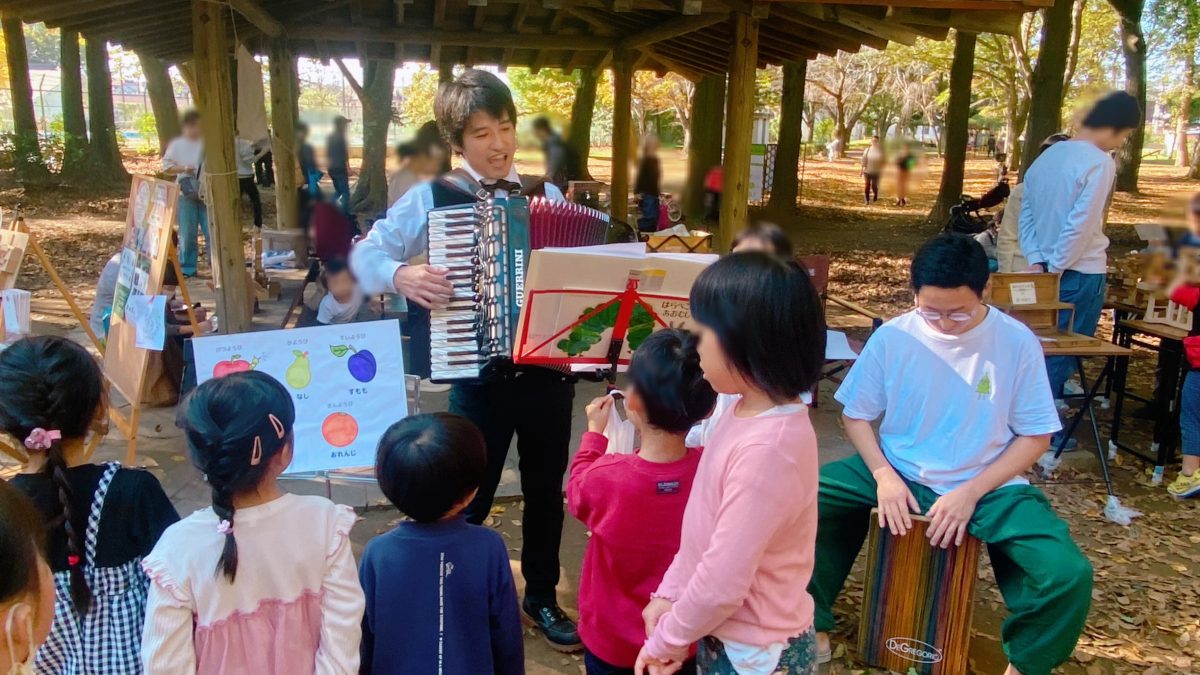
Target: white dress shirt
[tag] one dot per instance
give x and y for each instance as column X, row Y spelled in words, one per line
column 402, row 234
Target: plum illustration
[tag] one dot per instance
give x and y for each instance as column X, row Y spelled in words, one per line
column 361, row 363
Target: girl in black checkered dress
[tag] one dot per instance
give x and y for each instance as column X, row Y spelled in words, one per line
column 102, row 518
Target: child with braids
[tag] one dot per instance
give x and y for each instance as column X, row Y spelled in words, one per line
column 102, row 518
column 263, row 582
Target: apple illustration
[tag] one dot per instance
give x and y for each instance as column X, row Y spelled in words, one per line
column 235, row 364
column 361, row 363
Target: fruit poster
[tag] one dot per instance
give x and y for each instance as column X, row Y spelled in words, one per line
column 347, row 382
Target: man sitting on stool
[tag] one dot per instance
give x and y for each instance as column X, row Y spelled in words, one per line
column 966, row 409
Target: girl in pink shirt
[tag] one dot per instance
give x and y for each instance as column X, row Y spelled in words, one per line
column 738, row 584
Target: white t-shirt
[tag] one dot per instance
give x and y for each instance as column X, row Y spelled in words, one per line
column 183, row 152
column 951, row 404
column 331, row 311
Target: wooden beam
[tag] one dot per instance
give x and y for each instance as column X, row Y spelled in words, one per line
column 552, row 4
column 621, row 5
column 53, row 13
column 459, row 38
column 878, row 27
column 522, row 13
column 690, row 7
column 255, row 14
column 621, row 130
column 670, row 29
column 791, row 26
column 439, row 13
column 705, row 64
column 675, row 66
column 999, row 5
column 283, row 134
column 738, row 128
column 211, row 43
column 981, row 21
column 480, row 16
column 435, row 56
column 817, row 17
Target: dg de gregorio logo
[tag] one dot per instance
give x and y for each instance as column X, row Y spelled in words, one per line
column 914, row 650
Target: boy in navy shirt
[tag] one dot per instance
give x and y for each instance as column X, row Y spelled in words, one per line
column 440, row 593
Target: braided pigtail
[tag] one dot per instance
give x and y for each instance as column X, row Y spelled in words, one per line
column 50, row 391
column 234, row 426
column 56, row 469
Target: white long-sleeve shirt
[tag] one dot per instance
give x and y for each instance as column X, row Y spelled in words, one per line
column 403, row 234
column 1063, row 210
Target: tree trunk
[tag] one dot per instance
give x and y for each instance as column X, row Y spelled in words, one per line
column 75, row 141
column 104, row 156
column 735, row 193
column 1046, row 99
column 370, row 192
column 958, row 114
column 27, row 155
column 1133, row 47
column 1194, row 172
column 843, row 135
column 188, row 72
column 1183, row 159
column 704, row 150
column 162, row 99
column 579, row 136
column 791, row 122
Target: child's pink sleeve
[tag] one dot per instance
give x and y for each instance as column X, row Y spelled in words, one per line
column 751, row 511
column 1186, row 295
column 579, row 497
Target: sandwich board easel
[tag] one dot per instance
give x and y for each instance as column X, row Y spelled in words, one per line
column 145, row 252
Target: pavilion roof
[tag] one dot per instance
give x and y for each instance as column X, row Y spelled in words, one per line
column 691, row 37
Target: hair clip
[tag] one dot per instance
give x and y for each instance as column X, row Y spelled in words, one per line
column 256, row 454
column 42, row 439
column 225, row 527
column 279, row 430
column 73, row 561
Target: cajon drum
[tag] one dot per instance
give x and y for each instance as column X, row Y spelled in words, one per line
column 917, row 601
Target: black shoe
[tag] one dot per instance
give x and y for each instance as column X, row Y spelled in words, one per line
column 556, row 627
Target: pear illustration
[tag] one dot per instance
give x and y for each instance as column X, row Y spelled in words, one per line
column 299, row 374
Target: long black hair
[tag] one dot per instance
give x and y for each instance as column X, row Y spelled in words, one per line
column 53, row 384
column 22, row 543
column 768, row 318
column 234, row 426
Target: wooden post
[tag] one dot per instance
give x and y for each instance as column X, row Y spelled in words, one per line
column 211, row 60
column 704, row 149
column 743, row 61
column 283, row 135
column 622, row 70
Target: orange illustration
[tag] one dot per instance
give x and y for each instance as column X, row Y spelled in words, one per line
column 339, row 429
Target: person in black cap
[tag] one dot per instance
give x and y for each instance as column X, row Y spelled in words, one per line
column 1061, row 229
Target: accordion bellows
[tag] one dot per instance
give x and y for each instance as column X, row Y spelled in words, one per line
column 485, row 246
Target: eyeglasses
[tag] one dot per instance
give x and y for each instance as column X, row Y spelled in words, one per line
column 956, row 317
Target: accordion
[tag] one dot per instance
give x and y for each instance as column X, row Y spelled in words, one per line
column 485, row 246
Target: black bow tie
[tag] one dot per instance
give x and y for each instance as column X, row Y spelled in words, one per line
column 506, row 185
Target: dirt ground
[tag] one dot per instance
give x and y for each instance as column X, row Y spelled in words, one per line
column 1145, row 616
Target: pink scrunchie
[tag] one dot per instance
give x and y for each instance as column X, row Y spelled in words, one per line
column 42, row 439
column 225, row 527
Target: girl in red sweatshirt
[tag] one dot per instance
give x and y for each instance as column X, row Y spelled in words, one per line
column 633, row 504
column 1187, row 483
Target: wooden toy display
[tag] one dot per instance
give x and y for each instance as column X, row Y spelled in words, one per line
column 1033, row 300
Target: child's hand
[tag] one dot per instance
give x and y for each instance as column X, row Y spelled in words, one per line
column 654, row 612
column 649, row 664
column 597, row 414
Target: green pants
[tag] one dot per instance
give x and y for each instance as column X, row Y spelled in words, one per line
column 1045, row 579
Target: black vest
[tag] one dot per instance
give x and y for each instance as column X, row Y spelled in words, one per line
column 458, row 187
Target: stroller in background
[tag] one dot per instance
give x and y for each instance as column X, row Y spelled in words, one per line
column 965, row 217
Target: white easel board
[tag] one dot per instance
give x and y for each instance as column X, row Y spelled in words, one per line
column 347, row 382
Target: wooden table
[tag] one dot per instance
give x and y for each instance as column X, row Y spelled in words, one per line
column 1116, row 364
column 1170, row 368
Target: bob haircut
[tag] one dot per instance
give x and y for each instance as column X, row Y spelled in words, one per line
column 474, row 91
column 425, row 464
column 768, row 318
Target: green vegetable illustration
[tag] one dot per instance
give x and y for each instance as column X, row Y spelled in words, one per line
column 587, row 334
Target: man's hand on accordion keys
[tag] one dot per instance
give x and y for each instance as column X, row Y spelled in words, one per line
column 425, row 285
